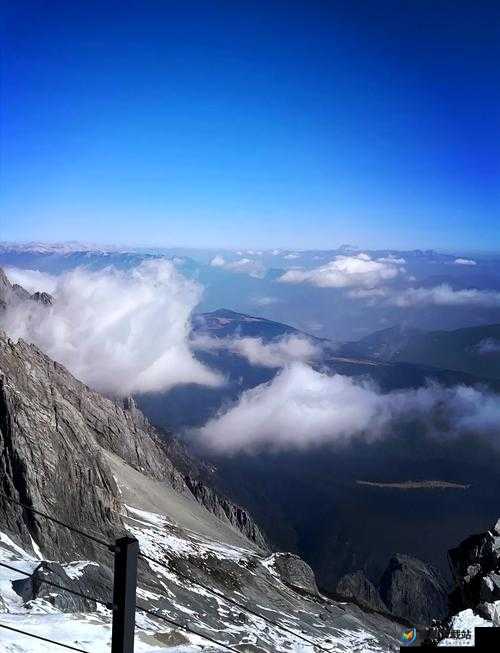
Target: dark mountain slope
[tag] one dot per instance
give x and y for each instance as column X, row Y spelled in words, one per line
column 473, row 350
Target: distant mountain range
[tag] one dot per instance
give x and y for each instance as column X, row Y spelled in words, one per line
column 473, row 350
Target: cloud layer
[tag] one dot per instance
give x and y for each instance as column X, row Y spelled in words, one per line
column 444, row 295
column 347, row 271
column 302, row 407
column 274, row 354
column 119, row 332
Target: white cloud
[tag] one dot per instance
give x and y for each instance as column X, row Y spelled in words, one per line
column 464, row 261
column 291, row 256
column 445, row 295
column 347, row 271
column 241, row 266
column 119, row 332
column 273, row 354
column 301, row 407
column 218, row 261
column 392, row 259
column 32, row 280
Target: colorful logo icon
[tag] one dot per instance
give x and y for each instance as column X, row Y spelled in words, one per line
column 409, row 636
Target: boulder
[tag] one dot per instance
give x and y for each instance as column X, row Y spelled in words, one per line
column 295, row 572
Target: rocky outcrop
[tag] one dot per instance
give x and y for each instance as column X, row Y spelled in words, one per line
column 46, row 581
column 11, row 293
column 42, row 298
column 358, row 587
column 414, row 590
column 475, row 564
column 220, row 506
column 294, row 572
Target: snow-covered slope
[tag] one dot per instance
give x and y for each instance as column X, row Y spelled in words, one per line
column 244, row 575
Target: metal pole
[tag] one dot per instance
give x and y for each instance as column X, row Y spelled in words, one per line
column 124, row 588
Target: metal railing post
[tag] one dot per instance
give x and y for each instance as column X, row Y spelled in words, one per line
column 124, row 589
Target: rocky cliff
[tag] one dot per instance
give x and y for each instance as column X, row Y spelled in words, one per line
column 53, row 433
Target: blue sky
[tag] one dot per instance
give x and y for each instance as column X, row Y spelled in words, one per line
column 219, row 123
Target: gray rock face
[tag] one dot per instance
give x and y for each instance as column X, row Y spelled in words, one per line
column 414, row 590
column 357, row 586
column 295, row 572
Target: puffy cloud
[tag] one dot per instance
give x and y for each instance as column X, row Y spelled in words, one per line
column 119, row 332
column 276, row 353
column 292, row 256
column 32, row 280
column 464, row 261
column 241, row 266
column 444, row 295
column 347, row 271
column 218, row 261
column 301, row 407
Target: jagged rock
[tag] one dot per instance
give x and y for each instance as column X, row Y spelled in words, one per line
column 11, row 292
column 295, row 572
column 49, row 577
column 357, row 586
column 20, row 292
column 227, row 511
column 471, row 562
column 413, row 590
column 42, row 298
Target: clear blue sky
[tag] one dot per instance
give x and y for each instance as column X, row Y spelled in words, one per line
column 221, row 123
